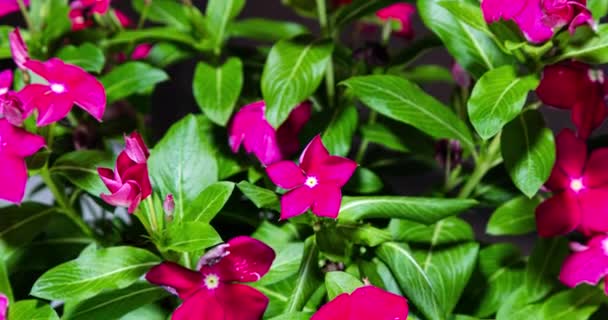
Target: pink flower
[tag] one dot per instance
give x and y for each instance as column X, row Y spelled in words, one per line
column 539, row 19
column 6, row 82
column 580, row 189
column 123, row 19
column 10, row 6
column 129, row 183
column 141, row 51
column 15, row 145
column 402, row 13
column 249, row 127
column 18, row 48
column 315, row 183
column 81, row 12
column 214, row 292
column 365, row 303
column 576, row 86
column 3, row 306
column 588, row 264
column 11, row 107
column 67, row 85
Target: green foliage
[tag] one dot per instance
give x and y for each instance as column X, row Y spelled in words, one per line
column 86, row 56
column 514, row 217
column 131, row 78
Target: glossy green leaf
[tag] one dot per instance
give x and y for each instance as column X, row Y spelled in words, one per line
column 429, row 73
column 446, row 231
column 364, row 181
column 308, row 278
column 594, row 50
column 578, row 303
column 266, row 30
column 516, row 306
column 293, row 71
column 543, row 267
column 286, row 263
column 338, row 138
column 191, row 237
column 87, row 56
column 31, row 310
column 599, row 8
column 379, row 275
column 514, row 217
column 528, row 149
column 115, row 304
column 209, row 203
column 401, row 100
column 93, row 272
column 5, row 284
column 498, row 98
column 19, row 225
column 467, row 12
column 183, row 163
column 165, row 54
column 338, row 282
column 80, row 168
column 276, row 236
column 217, row 89
column 334, row 244
column 131, row 78
column 219, row 14
column 382, row 135
column 148, row 312
column 52, row 17
column 261, row 197
column 422, row 210
column 166, row 12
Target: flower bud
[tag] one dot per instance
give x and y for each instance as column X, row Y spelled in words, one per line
column 169, row 206
column 448, row 152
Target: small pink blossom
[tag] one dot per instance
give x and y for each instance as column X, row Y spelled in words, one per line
column 314, row 184
column 81, row 12
column 123, row 19
column 15, row 145
column 3, row 306
column 364, row 303
column 169, row 205
column 141, row 51
column 577, row 87
column 214, row 292
column 67, row 85
column 10, row 6
column 402, row 13
column 129, row 183
column 18, row 48
column 588, row 264
column 580, row 188
column 539, row 19
column 250, row 128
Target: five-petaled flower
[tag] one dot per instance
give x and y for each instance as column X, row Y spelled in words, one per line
column 81, row 12
column 214, row 292
column 3, row 306
column 314, row 184
column 10, row 6
column 539, row 19
column 580, row 188
column 587, row 264
column 364, row 303
column 250, row 128
column 576, row 86
column 129, row 183
column 15, row 145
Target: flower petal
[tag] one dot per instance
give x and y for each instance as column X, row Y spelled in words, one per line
column 561, row 84
column 336, row 170
column 558, row 215
column 28, row 96
column 183, row 281
column 327, row 201
column 596, row 172
column 286, row 174
column 136, row 149
column 139, row 175
column 13, row 174
column 590, row 112
column 247, row 260
column 594, row 210
column 314, row 154
column 531, row 22
column 296, row 202
column 370, row 302
column 494, row 10
column 203, row 305
column 587, row 266
column 3, row 306
column 107, row 177
column 19, row 142
column 338, row 308
column 571, row 154
column 6, row 81
column 241, row 302
column 402, row 13
column 124, row 197
column 298, row 117
column 89, row 94
column 18, row 47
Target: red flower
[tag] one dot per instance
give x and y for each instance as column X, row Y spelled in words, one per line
column 365, row 303
column 588, row 264
column 314, row 184
column 575, row 86
column 214, row 292
column 580, row 189
column 129, row 183
column 10, row 6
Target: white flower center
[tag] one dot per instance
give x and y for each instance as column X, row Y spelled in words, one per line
column 3, row 91
column 605, row 246
column 311, row 181
column 57, row 88
column 596, row 75
column 212, row 281
column 577, row 185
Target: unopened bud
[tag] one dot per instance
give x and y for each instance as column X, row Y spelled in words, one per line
column 448, row 152
column 11, row 108
column 169, row 206
column 461, row 76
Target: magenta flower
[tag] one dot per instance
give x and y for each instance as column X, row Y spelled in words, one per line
column 402, row 13
column 588, row 264
column 250, row 128
column 214, row 292
column 539, row 19
column 364, row 303
column 141, row 51
column 67, row 85
column 3, row 306
column 6, row 82
column 576, row 86
column 10, row 6
column 18, row 48
column 580, row 188
column 81, row 12
column 15, row 145
column 123, row 19
column 314, row 184
column 129, row 183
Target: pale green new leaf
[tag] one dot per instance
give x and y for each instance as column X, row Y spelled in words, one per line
column 31, row 310
column 209, row 203
column 217, row 89
column 219, row 14
column 191, row 237
column 594, row 50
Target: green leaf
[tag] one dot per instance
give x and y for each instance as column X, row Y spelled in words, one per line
column 19, row 225
column 293, row 316
column 183, row 163
column 514, row 217
column 516, row 307
column 191, row 237
column 379, row 275
column 266, row 30
column 428, row 73
column 5, row 284
column 335, row 245
column 165, row 54
column 148, row 312
column 209, row 203
column 468, row 13
column 599, row 8
column 167, row 12
column 401, row 100
column 261, row 197
column 594, row 50
column 293, row 71
column 156, row 34
column 578, row 303
column 413, row 280
column 338, row 137
column 285, row 265
column 338, row 282
column 50, row 16
column 528, row 149
column 216, row 89
column 498, row 98
column 451, row 230
column 358, row 9
column 276, row 236
column 308, row 278
column 31, row 310
column 115, row 304
column 364, row 181
column 219, row 14
column 87, row 56
column 472, row 49
column 382, row 135
column 80, row 168
column 93, row 272
column 543, row 267
column 422, row 210
column 131, row 78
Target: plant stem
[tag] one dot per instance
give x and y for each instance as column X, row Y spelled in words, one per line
column 373, row 115
column 330, row 82
column 152, row 214
column 144, row 13
column 25, row 15
column 487, row 161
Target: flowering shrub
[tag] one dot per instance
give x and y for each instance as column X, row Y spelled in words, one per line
column 220, row 218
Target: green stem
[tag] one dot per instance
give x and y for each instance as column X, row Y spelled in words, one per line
column 144, row 13
column 486, row 162
column 330, row 81
column 152, row 214
column 387, row 29
column 26, row 16
column 373, row 115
